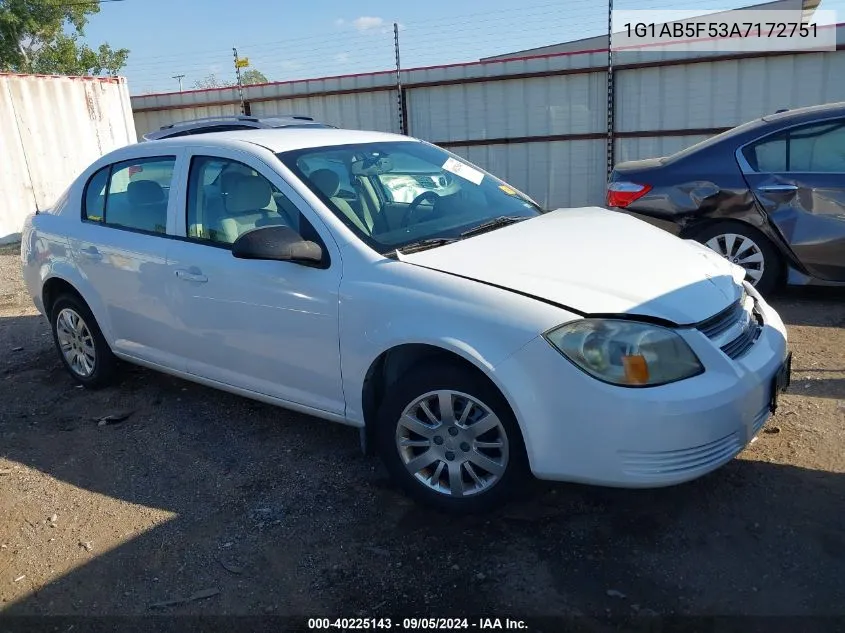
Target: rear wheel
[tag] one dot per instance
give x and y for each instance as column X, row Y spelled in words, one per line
column 450, row 440
column 82, row 348
column 745, row 246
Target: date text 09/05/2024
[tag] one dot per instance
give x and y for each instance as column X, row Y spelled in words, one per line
column 677, row 30
column 415, row 624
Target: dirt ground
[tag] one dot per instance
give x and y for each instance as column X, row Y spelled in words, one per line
column 278, row 513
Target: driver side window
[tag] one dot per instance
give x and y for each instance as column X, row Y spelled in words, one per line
column 227, row 198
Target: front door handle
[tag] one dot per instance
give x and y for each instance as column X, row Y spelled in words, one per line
column 778, row 188
column 187, row 275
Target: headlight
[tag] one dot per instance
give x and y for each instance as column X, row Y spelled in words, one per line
column 626, row 353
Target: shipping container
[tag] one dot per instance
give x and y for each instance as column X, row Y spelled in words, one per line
column 51, row 129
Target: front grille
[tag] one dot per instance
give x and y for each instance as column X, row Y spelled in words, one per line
column 737, row 316
column 688, row 460
column 742, row 343
column 714, row 326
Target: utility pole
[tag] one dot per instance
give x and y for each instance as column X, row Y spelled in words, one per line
column 240, row 84
column 611, row 149
column 179, row 78
column 403, row 125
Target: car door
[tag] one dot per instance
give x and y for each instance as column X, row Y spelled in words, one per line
column 269, row 327
column 127, row 216
column 798, row 177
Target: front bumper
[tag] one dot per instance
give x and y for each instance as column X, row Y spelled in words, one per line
column 579, row 429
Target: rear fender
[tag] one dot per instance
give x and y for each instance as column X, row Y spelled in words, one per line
column 67, row 271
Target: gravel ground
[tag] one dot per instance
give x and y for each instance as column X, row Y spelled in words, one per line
column 278, row 513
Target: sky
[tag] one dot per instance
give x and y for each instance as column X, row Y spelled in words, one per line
column 319, row 38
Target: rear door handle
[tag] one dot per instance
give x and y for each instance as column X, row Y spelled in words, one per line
column 91, row 252
column 187, row 275
column 778, row 188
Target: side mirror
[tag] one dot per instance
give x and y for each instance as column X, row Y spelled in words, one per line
column 278, row 243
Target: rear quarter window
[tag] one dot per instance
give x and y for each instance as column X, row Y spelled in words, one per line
column 94, row 197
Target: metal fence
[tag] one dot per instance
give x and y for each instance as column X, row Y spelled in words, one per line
column 541, row 122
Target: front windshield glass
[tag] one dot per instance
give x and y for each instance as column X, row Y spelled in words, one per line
column 398, row 193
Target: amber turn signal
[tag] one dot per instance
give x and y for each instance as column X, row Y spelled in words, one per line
column 636, row 369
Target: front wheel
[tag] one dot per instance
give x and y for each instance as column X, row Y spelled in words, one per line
column 450, row 440
column 747, row 247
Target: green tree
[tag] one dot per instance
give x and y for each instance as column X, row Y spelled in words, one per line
column 210, row 81
column 42, row 36
column 248, row 78
column 253, row 76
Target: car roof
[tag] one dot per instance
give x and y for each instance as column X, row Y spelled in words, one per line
column 758, row 128
column 827, row 109
column 280, row 139
column 206, row 125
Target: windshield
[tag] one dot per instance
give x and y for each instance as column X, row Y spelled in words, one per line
column 399, row 193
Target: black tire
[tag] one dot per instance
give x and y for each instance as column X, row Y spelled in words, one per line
column 105, row 363
column 439, row 375
column 772, row 261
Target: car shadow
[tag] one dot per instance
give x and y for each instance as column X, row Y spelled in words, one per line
column 159, row 496
column 273, row 513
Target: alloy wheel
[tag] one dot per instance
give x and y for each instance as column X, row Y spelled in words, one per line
column 742, row 251
column 452, row 443
column 76, row 342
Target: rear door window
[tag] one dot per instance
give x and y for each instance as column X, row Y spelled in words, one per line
column 817, row 148
column 131, row 194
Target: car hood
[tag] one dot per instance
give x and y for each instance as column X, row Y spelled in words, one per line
column 595, row 261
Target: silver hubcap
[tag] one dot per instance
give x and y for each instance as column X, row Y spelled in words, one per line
column 452, row 443
column 75, row 342
column 742, row 251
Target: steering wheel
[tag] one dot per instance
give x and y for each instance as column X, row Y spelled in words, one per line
column 415, row 205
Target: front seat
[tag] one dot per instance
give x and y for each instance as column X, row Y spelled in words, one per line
column 328, row 182
column 245, row 199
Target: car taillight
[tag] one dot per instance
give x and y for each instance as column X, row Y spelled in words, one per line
column 134, row 169
column 621, row 194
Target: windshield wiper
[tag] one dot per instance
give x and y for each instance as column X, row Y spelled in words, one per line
column 422, row 245
column 495, row 223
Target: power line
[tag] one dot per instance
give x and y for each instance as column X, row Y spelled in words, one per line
column 437, row 26
column 322, row 50
column 292, row 59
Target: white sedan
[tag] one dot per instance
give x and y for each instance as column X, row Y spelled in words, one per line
column 471, row 336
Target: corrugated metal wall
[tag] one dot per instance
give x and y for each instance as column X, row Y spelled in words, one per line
column 540, row 123
column 725, row 93
column 360, row 111
column 51, row 128
column 509, row 109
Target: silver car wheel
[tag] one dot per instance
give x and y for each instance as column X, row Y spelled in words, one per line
column 452, row 443
column 742, row 251
column 76, row 342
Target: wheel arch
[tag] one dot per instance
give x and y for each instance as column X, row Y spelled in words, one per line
column 765, row 229
column 53, row 286
column 392, row 363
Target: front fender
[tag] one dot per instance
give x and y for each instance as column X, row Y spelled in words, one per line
column 414, row 305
